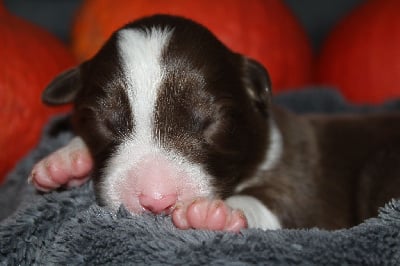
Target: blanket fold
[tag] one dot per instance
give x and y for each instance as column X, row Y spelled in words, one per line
column 67, row 227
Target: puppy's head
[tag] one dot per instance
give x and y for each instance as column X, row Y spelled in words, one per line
column 168, row 113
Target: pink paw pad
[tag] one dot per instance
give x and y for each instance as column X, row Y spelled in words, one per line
column 69, row 166
column 210, row 215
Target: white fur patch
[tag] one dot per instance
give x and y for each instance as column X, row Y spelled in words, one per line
column 272, row 157
column 140, row 55
column 274, row 151
column 257, row 214
column 127, row 159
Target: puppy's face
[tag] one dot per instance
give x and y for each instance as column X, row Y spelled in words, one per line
column 167, row 112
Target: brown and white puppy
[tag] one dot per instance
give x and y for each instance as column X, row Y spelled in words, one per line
column 171, row 121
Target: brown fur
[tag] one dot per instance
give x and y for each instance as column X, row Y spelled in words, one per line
column 335, row 171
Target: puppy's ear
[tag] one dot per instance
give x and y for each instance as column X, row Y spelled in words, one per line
column 64, row 88
column 258, row 84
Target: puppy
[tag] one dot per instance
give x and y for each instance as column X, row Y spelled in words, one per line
column 168, row 120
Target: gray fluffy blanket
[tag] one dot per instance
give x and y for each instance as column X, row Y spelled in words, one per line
column 68, row 228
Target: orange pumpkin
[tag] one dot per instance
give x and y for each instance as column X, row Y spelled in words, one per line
column 361, row 57
column 31, row 57
column 262, row 29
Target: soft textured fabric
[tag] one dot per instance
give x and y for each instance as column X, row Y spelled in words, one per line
column 67, row 227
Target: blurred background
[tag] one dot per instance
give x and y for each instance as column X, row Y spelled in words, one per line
column 317, row 17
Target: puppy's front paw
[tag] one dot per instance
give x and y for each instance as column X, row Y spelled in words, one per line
column 208, row 214
column 70, row 166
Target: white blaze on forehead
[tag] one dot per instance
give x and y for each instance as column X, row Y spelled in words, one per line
column 140, row 54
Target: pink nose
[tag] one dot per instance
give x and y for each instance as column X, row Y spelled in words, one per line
column 158, row 205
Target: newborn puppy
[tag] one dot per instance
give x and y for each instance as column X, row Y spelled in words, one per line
column 170, row 121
